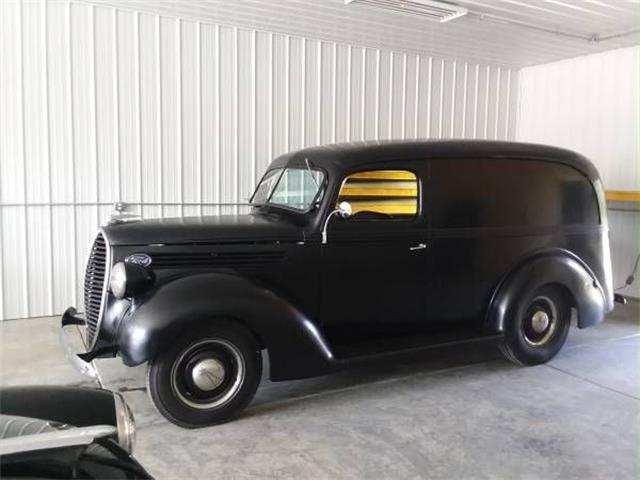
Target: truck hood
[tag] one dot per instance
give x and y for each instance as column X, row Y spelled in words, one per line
column 213, row 229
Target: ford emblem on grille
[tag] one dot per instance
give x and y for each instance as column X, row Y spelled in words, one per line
column 139, row 259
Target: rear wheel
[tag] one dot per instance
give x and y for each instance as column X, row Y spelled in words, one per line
column 207, row 376
column 538, row 327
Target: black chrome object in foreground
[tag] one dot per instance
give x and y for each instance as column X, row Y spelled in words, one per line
column 66, row 432
column 77, row 406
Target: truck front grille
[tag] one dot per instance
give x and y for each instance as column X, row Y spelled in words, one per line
column 94, row 283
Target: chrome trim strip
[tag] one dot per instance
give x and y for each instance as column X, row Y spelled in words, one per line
column 126, row 424
column 58, row 439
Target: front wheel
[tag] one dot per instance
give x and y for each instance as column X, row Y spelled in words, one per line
column 207, row 376
column 538, row 328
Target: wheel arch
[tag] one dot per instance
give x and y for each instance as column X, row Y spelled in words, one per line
column 566, row 292
column 296, row 348
column 557, row 267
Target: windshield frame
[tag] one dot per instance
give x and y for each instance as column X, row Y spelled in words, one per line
column 321, row 188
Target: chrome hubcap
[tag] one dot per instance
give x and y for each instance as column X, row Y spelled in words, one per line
column 208, row 374
column 540, row 321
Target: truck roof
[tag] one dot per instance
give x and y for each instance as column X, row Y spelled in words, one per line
column 349, row 155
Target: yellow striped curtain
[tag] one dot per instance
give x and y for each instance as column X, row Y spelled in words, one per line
column 391, row 192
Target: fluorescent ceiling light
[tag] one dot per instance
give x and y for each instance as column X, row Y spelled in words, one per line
column 431, row 9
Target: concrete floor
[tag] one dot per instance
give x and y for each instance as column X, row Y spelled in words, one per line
column 445, row 413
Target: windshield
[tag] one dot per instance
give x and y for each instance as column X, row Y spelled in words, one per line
column 294, row 188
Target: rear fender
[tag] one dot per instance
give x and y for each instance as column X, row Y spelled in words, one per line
column 550, row 267
column 295, row 346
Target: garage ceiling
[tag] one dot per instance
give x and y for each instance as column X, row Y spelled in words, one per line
column 513, row 33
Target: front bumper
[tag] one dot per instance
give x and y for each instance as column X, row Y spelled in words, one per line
column 69, row 331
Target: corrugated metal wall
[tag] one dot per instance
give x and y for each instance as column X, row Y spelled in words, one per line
column 476, row 37
column 591, row 104
column 101, row 105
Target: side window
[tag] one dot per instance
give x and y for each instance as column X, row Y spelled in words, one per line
column 381, row 194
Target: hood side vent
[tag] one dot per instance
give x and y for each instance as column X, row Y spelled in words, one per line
column 215, row 259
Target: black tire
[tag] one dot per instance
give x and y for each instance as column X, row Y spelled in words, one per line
column 525, row 340
column 223, row 358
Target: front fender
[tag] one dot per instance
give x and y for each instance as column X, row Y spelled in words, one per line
column 60, row 404
column 295, row 346
column 557, row 267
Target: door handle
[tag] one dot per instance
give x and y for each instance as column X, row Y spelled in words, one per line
column 420, row 246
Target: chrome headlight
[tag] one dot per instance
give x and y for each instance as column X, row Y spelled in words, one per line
column 129, row 279
column 118, row 280
column 125, row 423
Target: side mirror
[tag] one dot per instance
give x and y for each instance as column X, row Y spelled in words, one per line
column 344, row 211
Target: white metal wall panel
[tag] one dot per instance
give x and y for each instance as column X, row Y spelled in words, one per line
column 591, row 104
column 180, row 117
